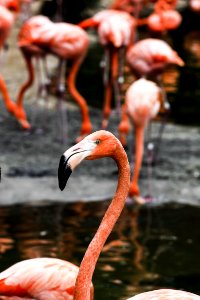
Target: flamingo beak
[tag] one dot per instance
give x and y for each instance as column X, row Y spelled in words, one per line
column 71, row 159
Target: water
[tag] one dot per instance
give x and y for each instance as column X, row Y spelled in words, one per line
column 148, row 248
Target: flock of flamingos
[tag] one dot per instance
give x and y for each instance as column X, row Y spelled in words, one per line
column 54, row 279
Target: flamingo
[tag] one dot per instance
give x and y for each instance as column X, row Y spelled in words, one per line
column 116, row 32
column 150, row 56
column 38, row 37
column 51, row 278
column 194, row 5
column 142, row 103
column 164, row 17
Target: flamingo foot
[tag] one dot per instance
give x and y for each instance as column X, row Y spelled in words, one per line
column 24, row 124
column 139, row 200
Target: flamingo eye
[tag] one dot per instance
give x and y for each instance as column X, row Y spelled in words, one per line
column 97, row 142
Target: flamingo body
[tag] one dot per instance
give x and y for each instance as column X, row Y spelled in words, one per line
column 116, row 29
column 61, row 39
column 40, row 278
column 194, row 5
column 142, row 99
column 166, row 294
column 151, row 55
column 167, row 20
column 101, row 16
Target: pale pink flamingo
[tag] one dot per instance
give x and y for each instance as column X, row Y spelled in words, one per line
column 150, row 56
column 194, row 5
column 164, row 17
column 142, row 103
column 116, row 31
column 165, row 294
column 50, row 278
column 39, row 37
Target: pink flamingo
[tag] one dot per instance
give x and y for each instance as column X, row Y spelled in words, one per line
column 116, row 31
column 150, row 56
column 164, row 17
column 142, row 103
column 50, row 278
column 39, row 37
column 194, row 5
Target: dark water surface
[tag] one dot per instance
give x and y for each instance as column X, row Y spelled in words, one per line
column 149, row 248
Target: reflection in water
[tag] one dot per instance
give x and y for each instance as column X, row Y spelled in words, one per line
column 148, row 248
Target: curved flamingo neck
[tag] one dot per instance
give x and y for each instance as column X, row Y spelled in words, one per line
column 84, row 279
column 6, row 97
column 28, row 83
column 86, row 125
column 139, row 150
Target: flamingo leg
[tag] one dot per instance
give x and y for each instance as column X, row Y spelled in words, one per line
column 139, row 151
column 105, row 64
column 86, row 126
column 42, row 94
column 118, row 74
column 107, row 105
column 124, row 126
column 165, row 107
column 108, row 83
column 62, row 111
column 150, row 158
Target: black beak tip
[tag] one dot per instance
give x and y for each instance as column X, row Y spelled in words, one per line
column 64, row 172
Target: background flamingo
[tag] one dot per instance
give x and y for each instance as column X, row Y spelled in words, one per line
column 116, row 31
column 194, row 5
column 164, row 17
column 39, row 37
column 165, row 294
column 142, row 104
column 149, row 57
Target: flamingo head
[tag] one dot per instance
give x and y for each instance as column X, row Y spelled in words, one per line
column 94, row 146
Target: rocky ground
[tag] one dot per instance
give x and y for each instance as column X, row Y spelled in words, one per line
column 29, row 163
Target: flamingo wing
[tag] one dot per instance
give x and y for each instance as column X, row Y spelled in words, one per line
column 39, row 278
